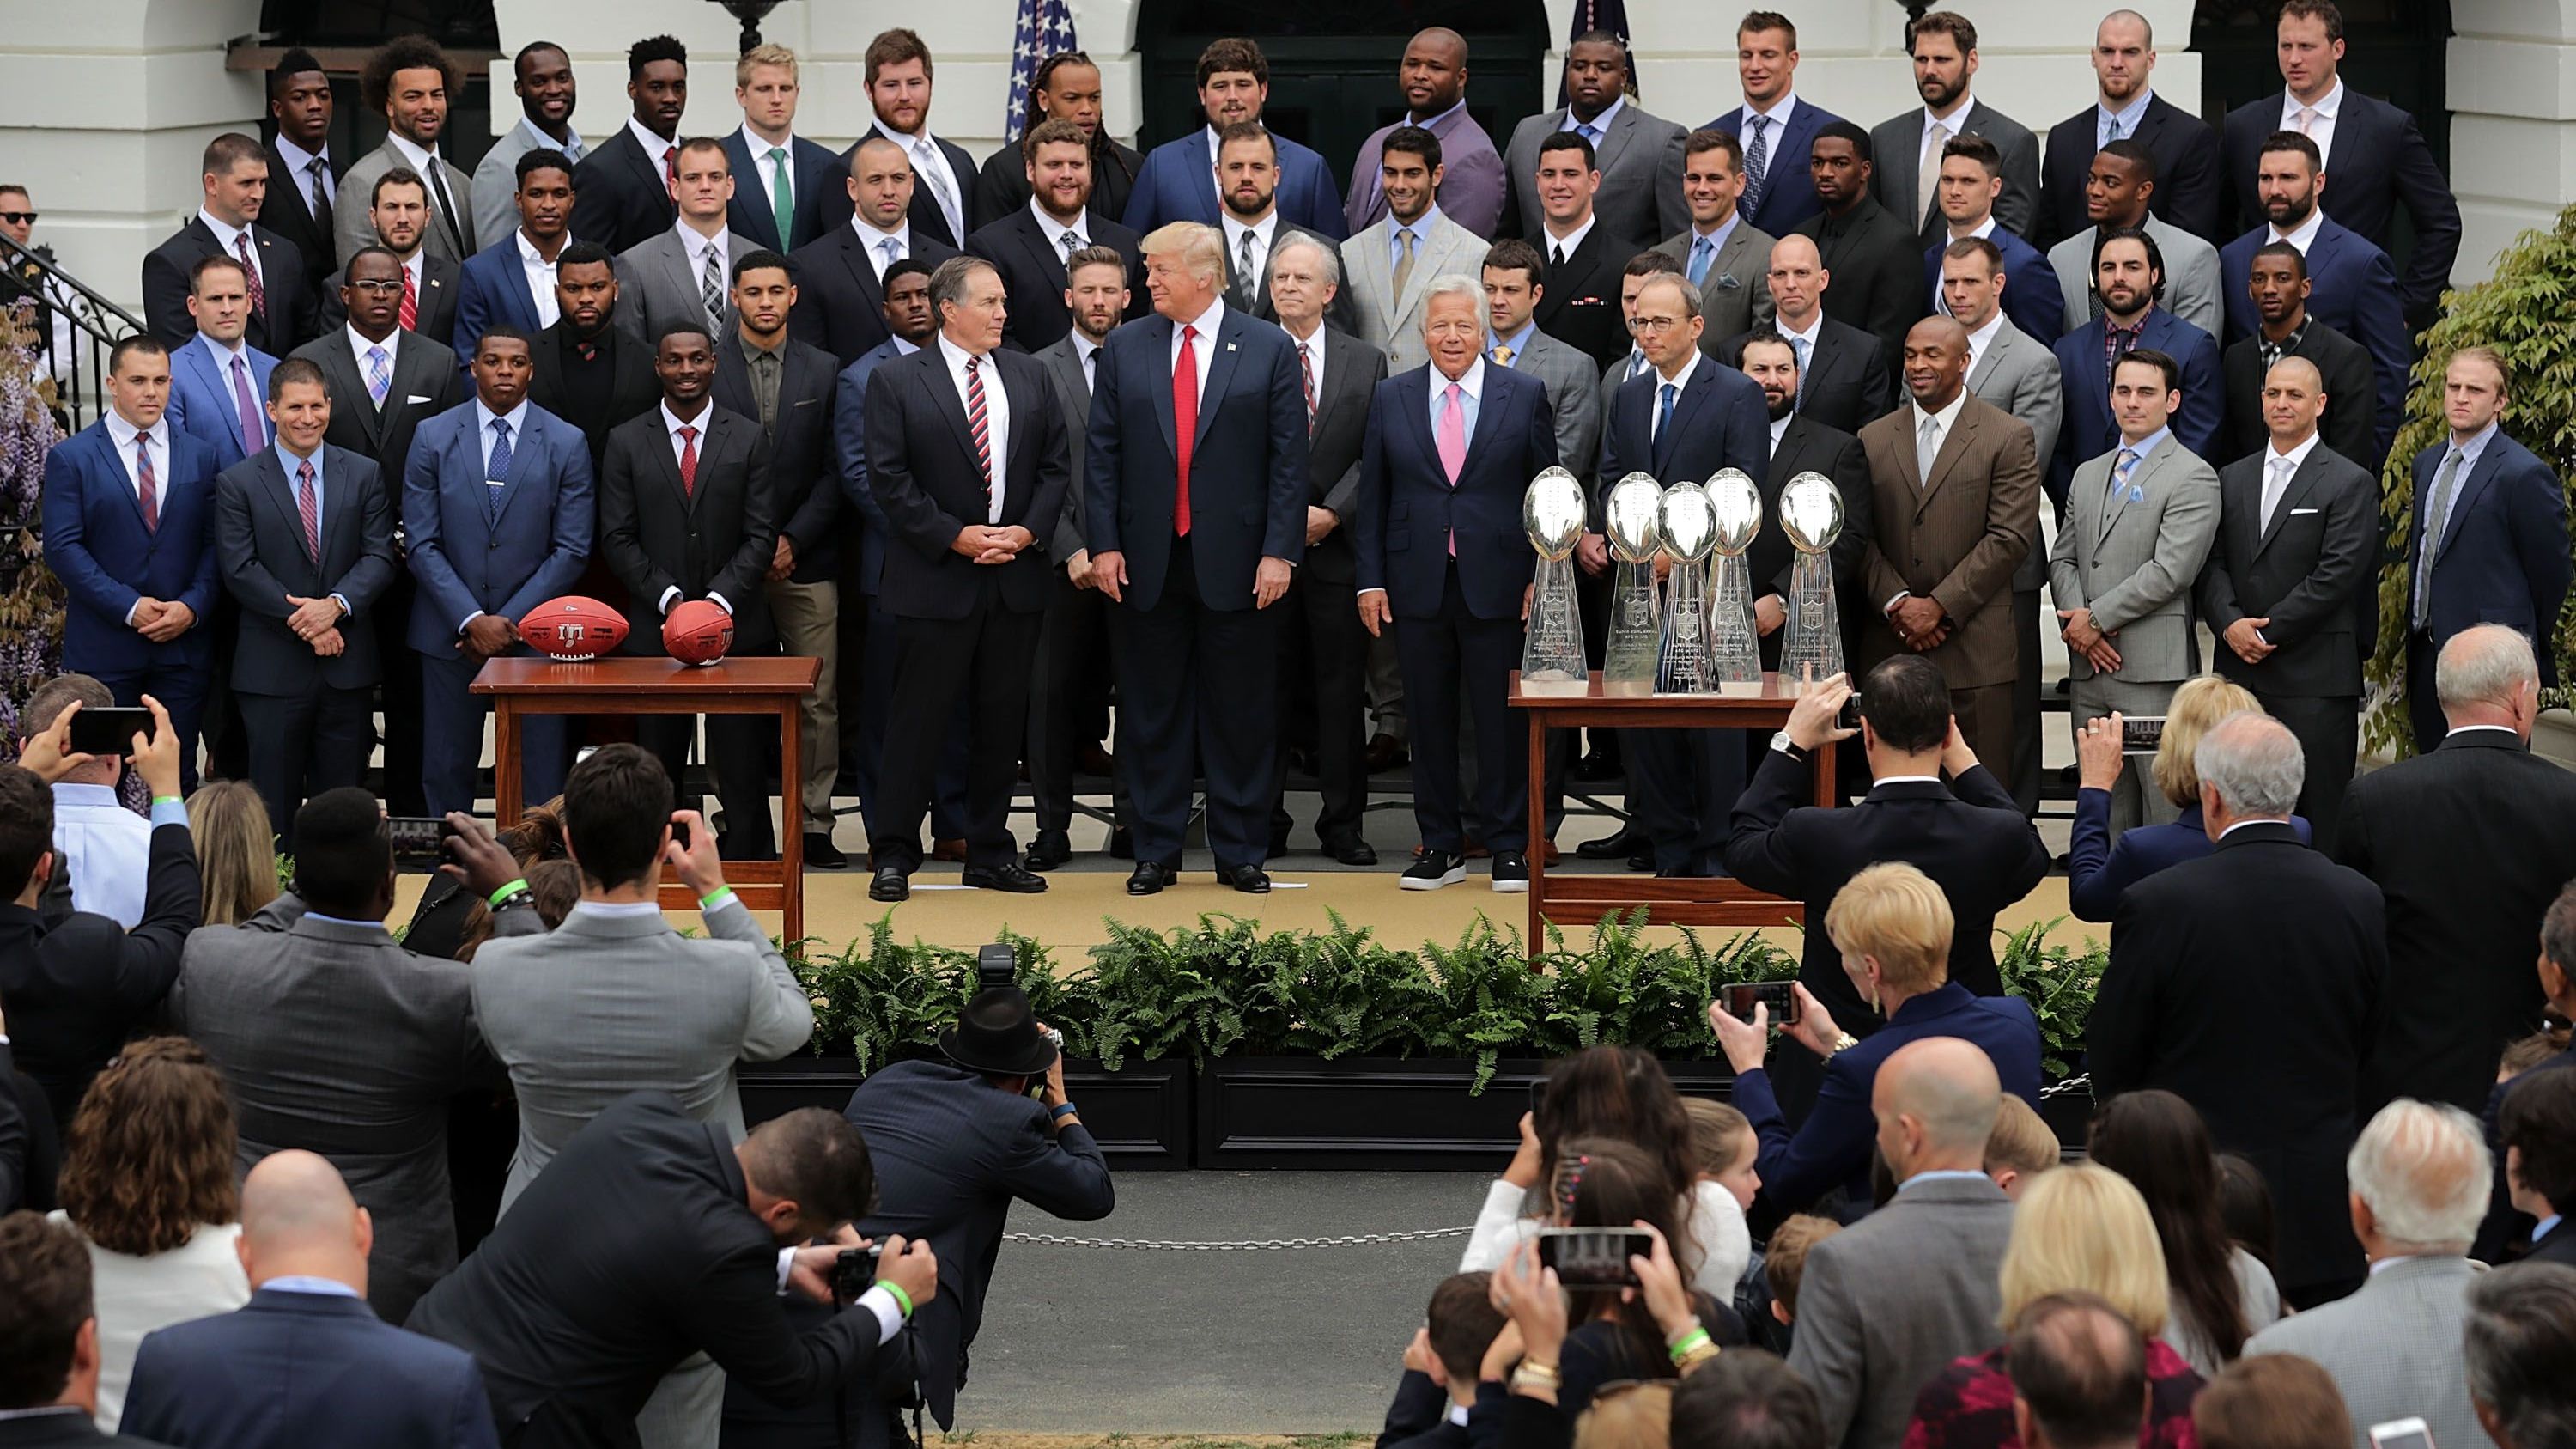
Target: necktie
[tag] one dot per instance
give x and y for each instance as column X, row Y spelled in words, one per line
column 447, row 204
column 1403, row 259
column 1636, row 364
column 2274, row 487
column 782, row 195
column 1702, row 251
column 1801, row 346
column 147, row 486
column 254, row 424
column 380, row 375
column 1502, row 355
column 320, row 171
column 1247, row 280
column 308, row 508
column 1927, row 449
column 2307, row 119
column 1453, row 443
column 979, row 423
column 1306, row 380
column 1185, row 426
column 1664, row 397
column 1590, row 133
column 927, row 166
column 410, row 312
column 1556, row 254
column 2120, row 471
column 688, row 462
column 1071, row 244
column 1927, row 170
column 496, row 471
column 258, row 291
column 711, row 284
column 892, row 248
column 1757, row 161
column 671, row 166
column 2437, row 521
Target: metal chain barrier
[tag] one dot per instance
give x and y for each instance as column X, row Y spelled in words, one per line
column 2080, row 1082
column 1356, row 1241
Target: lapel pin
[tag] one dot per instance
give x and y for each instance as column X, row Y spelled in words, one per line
column 1229, row 347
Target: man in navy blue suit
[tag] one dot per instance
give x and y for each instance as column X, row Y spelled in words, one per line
column 2351, row 287
column 1775, row 127
column 1196, row 513
column 129, row 529
column 2489, row 539
column 2129, row 277
column 1450, row 450
column 1178, row 180
column 305, row 1361
column 498, row 513
column 1972, row 176
column 779, row 177
column 512, row 280
column 216, row 377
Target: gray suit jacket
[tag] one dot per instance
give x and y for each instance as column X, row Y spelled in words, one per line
column 496, row 179
column 1896, row 146
column 1735, row 295
column 2193, row 290
column 2018, row 373
column 1888, row 1302
column 1391, row 323
column 1640, row 160
column 657, row 290
column 2132, row 559
column 607, row 1005
column 1073, row 391
column 335, row 1039
column 352, row 225
column 1573, row 394
column 2393, row 1348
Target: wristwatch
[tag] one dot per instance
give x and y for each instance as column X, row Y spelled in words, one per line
column 1843, row 1042
column 1781, row 742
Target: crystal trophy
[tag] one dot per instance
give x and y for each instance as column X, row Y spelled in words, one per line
column 1734, row 644
column 1690, row 531
column 1634, row 513
column 1811, row 513
column 1552, row 644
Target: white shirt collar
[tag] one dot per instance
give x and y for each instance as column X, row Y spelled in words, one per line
column 697, row 246
column 1983, row 229
column 2241, row 824
column 1601, row 123
column 1549, row 242
column 655, row 148
column 297, row 159
column 224, row 231
column 2454, row 730
column 528, row 252
column 125, row 433
column 875, row 239
column 1206, row 322
column 358, row 345
column 1235, row 227
column 878, row 124
column 672, row 422
column 1314, row 345
column 2327, row 105
column 2298, row 456
column 1780, row 425
column 956, row 356
column 1949, row 125
column 615, row 910
column 516, row 417
column 760, row 149
column 1054, row 230
column 1780, row 111
column 538, row 140
column 1084, row 349
column 421, row 161
column 2303, row 236
column 1948, row 417
column 1689, row 366
column 224, row 356
column 1815, row 328
column 1472, row 382
column 1983, row 338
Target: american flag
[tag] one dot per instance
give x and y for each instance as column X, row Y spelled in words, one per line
column 1045, row 28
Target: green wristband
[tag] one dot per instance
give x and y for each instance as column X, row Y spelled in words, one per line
column 715, row 898
column 902, row 1299
column 1691, row 1340
column 168, row 800
column 507, row 891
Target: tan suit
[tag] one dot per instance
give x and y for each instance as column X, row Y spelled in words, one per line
column 1956, row 540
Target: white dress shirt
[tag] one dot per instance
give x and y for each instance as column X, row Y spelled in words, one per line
column 1550, row 244
column 1775, row 128
column 123, row 434
column 426, row 163
column 1982, row 338
column 1204, row 349
column 1947, row 127
column 572, row 145
column 225, row 233
column 541, row 277
column 760, row 167
column 695, row 248
column 1679, row 383
column 1314, row 360
column 1815, row 331
column 1054, row 230
column 2122, row 124
column 875, row 242
column 1779, row 425
column 922, row 150
column 1599, row 124
column 671, row 425
column 358, row 345
column 2321, row 130
column 997, row 414
column 656, row 150
column 1089, row 352
column 419, row 281
column 1263, row 233
column 2302, row 236
column 106, row 849
column 299, row 178
column 2265, row 502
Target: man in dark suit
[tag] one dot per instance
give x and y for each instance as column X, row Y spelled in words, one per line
column 300, row 169
column 2376, row 156
column 2277, row 278
column 513, row 279
column 2485, row 545
column 1910, row 146
column 304, row 539
column 843, row 271
column 2354, row 290
column 1640, row 153
column 400, row 215
column 410, row 82
column 1251, row 226
column 688, row 509
column 235, row 182
column 1030, row 244
column 1845, row 380
column 589, row 371
column 77, row 985
column 1972, row 180
column 1798, row 444
column 129, row 529
column 2538, row 1130
column 2129, row 277
column 2469, row 842
column 2189, row 192
column 779, row 176
column 305, row 1361
column 1177, row 182
column 968, row 462
column 566, row 1307
column 1579, row 297
column 1449, row 452
column 1776, row 128
column 622, row 189
column 942, row 206
column 1874, row 255
column 2296, row 558
column 2510, row 1222
column 2251, row 982
column 47, row 1311
column 1196, row 489
column 1065, row 87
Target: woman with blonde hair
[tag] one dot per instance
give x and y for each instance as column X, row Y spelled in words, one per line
column 236, row 851
column 2098, row 871
column 2079, row 1229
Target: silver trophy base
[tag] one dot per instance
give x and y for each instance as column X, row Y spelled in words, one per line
column 1734, row 640
column 1552, row 643
column 1813, row 652
column 1636, row 643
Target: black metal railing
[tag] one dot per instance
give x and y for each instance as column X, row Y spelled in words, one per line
column 74, row 327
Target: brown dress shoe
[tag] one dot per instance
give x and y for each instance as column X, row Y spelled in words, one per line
column 948, row 850
column 1385, row 752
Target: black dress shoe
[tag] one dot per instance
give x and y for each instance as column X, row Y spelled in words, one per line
column 1643, row 857
column 1353, row 851
column 1052, row 848
column 1122, row 844
column 821, row 853
column 1010, row 876
column 891, row 884
column 1149, row 878
column 1611, row 847
column 1248, row 879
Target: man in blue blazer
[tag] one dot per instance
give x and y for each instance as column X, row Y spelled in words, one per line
column 2351, row 287
column 1775, row 127
column 1178, row 180
column 486, row 549
column 2129, row 276
column 1972, row 177
column 501, row 283
column 2487, row 543
column 129, row 529
column 217, row 379
column 1443, row 559
column 305, row 1361
column 1196, row 513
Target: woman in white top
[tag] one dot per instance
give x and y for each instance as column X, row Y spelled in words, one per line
column 1618, row 1092
column 148, row 1182
column 2221, row 1294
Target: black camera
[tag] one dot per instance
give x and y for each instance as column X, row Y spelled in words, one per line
column 854, row 1273
column 995, row 966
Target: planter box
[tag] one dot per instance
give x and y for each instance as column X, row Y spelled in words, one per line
column 1140, row 1113
column 1378, row 1114
column 2068, row 1114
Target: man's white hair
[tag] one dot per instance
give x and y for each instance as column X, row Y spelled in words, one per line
column 2423, row 1168
column 1451, row 284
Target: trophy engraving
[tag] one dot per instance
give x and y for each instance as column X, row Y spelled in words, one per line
column 1811, row 513
column 1734, row 643
column 1690, row 531
column 1634, row 513
column 1552, row 643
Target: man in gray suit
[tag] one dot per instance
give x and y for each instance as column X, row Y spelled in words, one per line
column 1908, row 147
column 1887, row 1303
column 1725, row 256
column 681, row 277
column 2140, row 521
column 2419, row 1185
column 410, row 82
column 2018, row 373
column 1638, row 155
column 335, row 1039
column 542, row 79
column 1390, row 264
column 2117, row 188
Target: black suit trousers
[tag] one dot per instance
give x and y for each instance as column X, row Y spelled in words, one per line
column 737, row 754
column 1450, row 659
column 985, row 659
column 2329, row 734
column 1191, row 676
column 1069, row 702
column 1323, row 674
column 881, row 645
column 405, row 711
column 303, row 744
column 2423, row 706
column 1682, row 786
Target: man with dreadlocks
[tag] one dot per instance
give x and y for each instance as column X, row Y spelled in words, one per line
column 1067, row 88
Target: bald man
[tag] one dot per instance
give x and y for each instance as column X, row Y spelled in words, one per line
column 1887, row 1303
column 1844, row 380
column 1433, row 79
column 305, row 1362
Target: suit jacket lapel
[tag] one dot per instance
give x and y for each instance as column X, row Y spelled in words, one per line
column 371, row 414
column 943, row 392
column 1338, row 364
column 1220, row 368
column 1954, row 446
column 2479, row 477
column 2116, row 501
column 1614, row 141
column 281, row 489
column 2303, row 482
column 1685, row 408
column 1413, row 394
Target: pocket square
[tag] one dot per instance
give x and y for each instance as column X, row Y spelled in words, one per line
column 2301, row 512
column 1726, row 282
column 418, row 397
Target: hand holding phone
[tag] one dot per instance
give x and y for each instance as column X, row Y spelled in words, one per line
column 1780, row 996
column 419, row 841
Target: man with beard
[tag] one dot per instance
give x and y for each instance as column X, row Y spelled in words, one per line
column 2129, row 277
column 1250, row 223
column 1234, row 84
column 2277, row 276
column 2353, row 289
column 1433, row 77
column 2120, row 191
column 1029, row 246
column 411, row 83
column 542, row 80
column 1845, row 381
column 845, row 272
column 513, row 280
column 1066, row 88
column 1799, row 444
column 2184, row 148
column 1944, row 48
column 400, row 216
column 590, row 372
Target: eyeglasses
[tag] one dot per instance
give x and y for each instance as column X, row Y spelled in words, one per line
column 18, row 218
column 381, row 289
column 1650, row 325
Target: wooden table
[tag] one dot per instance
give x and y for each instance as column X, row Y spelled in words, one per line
column 1569, row 899
column 637, row 684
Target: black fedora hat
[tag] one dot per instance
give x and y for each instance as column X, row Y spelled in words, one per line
column 998, row 1035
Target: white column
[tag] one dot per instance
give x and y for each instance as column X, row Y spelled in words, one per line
column 2511, row 81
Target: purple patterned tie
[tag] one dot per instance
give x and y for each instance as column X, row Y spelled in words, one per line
column 308, row 508
column 254, row 424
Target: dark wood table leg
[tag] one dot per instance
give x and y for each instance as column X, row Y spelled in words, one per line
column 791, row 816
column 1538, row 831
column 506, row 801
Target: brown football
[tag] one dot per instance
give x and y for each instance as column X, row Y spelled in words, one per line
column 573, row 627
column 697, row 632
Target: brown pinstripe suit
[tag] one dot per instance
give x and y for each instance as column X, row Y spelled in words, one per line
column 1956, row 540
